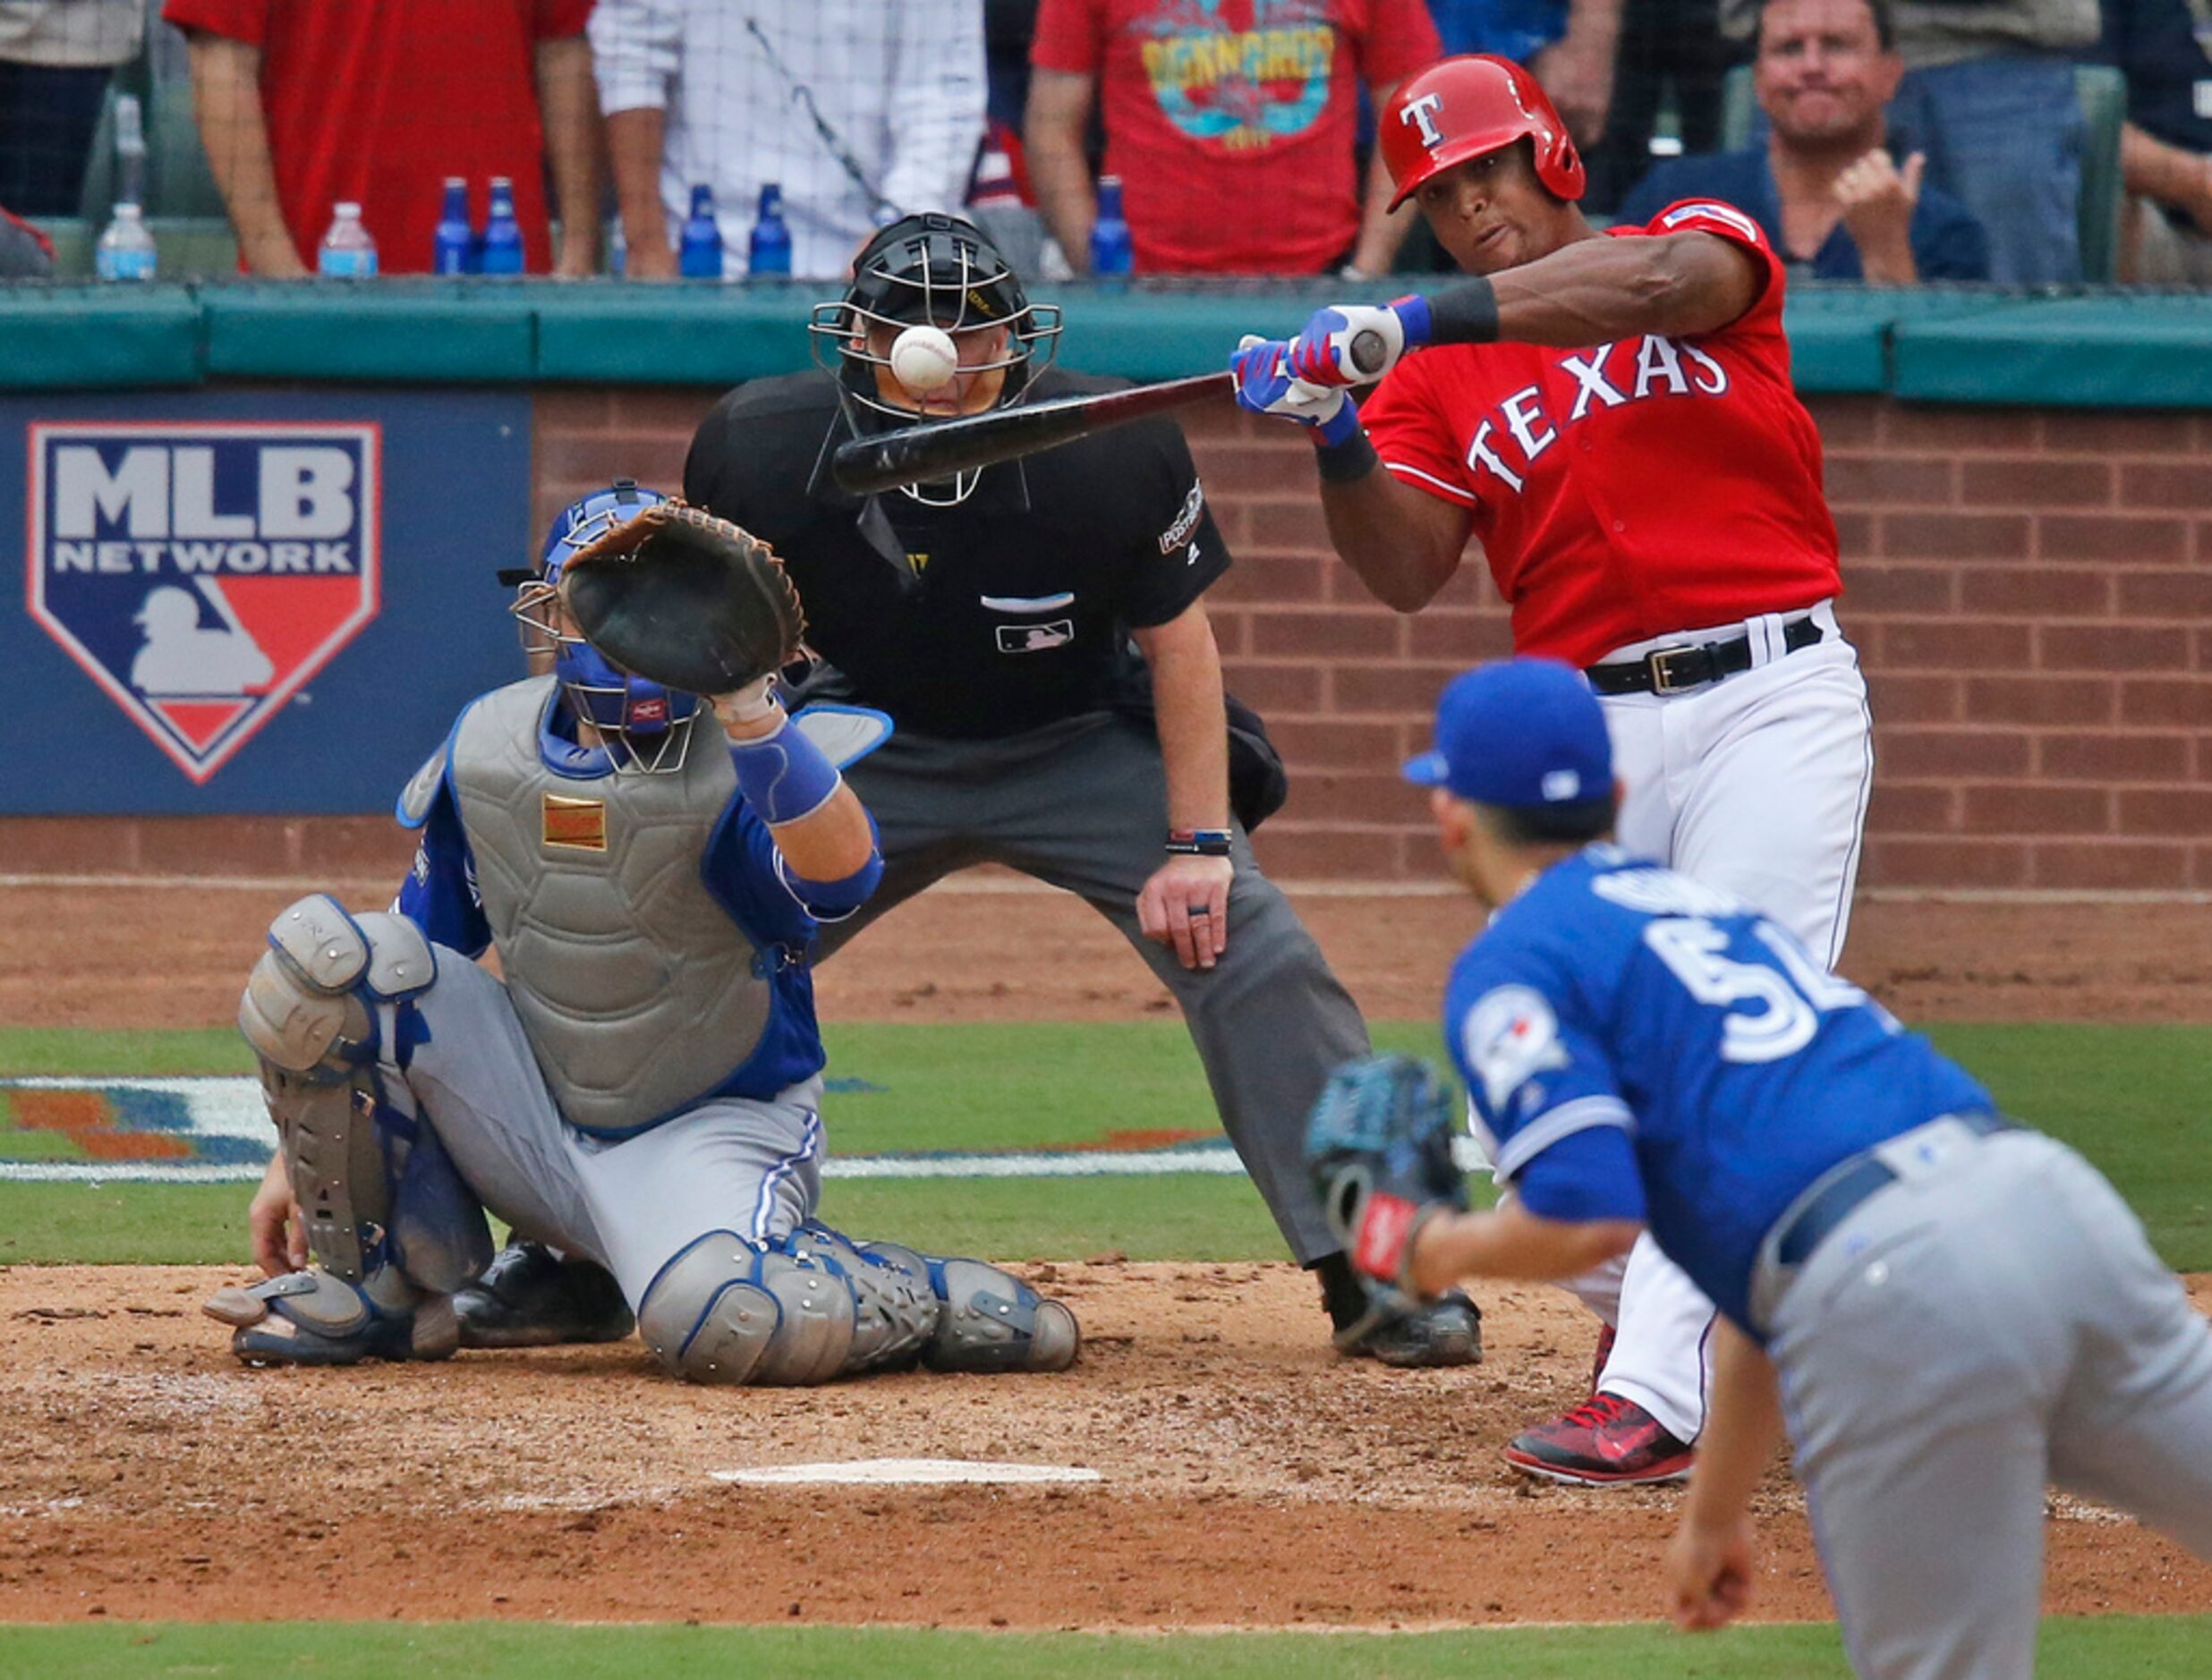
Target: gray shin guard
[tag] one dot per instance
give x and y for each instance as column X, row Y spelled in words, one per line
column 724, row 1311
column 310, row 1014
column 895, row 1309
column 990, row 1320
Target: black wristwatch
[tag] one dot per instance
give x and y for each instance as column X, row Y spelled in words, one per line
column 1198, row 843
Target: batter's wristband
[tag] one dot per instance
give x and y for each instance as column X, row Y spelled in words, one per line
column 1198, row 843
column 1348, row 461
column 1465, row 315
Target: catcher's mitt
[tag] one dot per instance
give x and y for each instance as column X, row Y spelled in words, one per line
column 685, row 599
column 1378, row 1146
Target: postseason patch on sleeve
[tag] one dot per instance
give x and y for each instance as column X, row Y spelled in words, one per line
column 1186, row 518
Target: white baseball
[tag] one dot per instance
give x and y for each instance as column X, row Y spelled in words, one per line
column 923, row 360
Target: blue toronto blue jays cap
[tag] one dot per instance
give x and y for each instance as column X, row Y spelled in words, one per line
column 1518, row 732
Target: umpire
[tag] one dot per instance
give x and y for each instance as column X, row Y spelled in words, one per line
column 992, row 617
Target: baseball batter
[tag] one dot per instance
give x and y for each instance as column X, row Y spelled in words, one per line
column 643, row 1089
column 1941, row 1308
column 1611, row 420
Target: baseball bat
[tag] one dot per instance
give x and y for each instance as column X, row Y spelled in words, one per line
column 937, row 449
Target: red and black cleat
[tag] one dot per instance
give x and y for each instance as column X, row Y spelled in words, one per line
column 1607, row 1441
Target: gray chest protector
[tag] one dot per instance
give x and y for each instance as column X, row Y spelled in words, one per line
column 638, row 993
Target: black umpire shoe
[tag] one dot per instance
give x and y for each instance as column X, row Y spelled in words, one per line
column 1444, row 1332
column 529, row 1296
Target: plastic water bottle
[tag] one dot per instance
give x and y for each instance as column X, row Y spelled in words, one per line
column 618, row 247
column 698, row 254
column 347, row 252
column 127, row 250
column 503, row 235
column 770, row 250
column 453, row 241
column 1111, row 256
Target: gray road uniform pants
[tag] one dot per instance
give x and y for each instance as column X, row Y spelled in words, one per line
column 1082, row 805
column 1993, row 1322
column 752, row 1168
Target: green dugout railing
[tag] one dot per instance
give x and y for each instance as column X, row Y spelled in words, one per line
column 1978, row 346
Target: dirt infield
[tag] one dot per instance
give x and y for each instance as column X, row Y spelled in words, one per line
column 990, row 947
column 1249, row 1477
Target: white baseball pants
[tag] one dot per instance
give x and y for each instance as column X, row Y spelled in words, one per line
column 1757, row 785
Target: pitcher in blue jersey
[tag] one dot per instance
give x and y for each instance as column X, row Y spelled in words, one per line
column 1941, row 1308
column 640, row 1086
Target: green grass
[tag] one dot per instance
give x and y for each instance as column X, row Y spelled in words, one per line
column 2089, row 1650
column 2135, row 1099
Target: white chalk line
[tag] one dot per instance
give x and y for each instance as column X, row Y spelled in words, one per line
column 898, row 1472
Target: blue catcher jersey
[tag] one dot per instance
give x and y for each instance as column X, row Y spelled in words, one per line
column 1639, row 1046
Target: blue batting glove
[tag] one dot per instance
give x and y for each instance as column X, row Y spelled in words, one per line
column 1265, row 386
column 1324, row 353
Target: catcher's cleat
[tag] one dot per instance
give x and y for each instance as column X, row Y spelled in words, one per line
column 310, row 1317
column 1604, row 1442
column 1434, row 1334
column 529, row 1296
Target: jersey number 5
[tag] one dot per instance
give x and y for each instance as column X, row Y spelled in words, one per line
column 1772, row 1011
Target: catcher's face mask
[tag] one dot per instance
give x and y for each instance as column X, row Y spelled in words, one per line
column 942, row 271
column 645, row 729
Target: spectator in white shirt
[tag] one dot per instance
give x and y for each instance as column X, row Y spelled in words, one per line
column 860, row 110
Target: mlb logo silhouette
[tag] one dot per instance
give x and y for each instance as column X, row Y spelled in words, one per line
column 201, row 573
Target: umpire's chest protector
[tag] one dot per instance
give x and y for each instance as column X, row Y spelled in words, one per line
column 638, row 992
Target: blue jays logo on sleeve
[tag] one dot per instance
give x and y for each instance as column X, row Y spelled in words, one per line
column 1509, row 1035
column 201, row 572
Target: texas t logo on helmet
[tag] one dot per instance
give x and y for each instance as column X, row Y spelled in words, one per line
column 1465, row 107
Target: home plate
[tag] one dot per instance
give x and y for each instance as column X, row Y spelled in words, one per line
column 907, row 1471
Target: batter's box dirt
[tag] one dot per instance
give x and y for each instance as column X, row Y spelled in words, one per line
column 1249, row 1478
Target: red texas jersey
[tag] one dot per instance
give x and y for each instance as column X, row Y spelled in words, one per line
column 1628, row 489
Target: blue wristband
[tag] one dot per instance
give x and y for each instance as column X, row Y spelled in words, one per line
column 1413, row 315
column 784, row 777
column 1339, row 429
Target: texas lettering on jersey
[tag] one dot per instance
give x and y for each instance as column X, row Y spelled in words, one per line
column 1649, row 367
column 1628, row 489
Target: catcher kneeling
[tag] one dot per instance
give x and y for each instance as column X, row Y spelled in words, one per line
column 644, row 1088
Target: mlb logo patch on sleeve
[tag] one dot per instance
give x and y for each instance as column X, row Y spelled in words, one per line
column 201, row 573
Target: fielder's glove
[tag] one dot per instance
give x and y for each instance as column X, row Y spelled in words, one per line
column 1379, row 1147
column 1265, row 386
column 1324, row 352
column 685, row 599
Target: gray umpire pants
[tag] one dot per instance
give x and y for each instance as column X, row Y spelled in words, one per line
column 1082, row 805
column 1994, row 1322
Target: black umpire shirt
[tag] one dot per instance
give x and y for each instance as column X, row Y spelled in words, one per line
column 1006, row 612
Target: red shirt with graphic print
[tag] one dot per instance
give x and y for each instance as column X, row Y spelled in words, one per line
column 1626, row 490
column 1232, row 123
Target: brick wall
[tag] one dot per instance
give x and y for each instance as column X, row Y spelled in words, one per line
column 2031, row 593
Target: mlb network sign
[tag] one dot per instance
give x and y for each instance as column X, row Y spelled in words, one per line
column 201, row 572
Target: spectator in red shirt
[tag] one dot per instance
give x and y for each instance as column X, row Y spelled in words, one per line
column 304, row 104
column 1232, row 126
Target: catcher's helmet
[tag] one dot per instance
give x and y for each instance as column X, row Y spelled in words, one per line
column 644, row 725
column 1462, row 108
column 943, row 271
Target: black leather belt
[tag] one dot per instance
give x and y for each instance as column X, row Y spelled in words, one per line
column 1806, row 1228
column 1693, row 664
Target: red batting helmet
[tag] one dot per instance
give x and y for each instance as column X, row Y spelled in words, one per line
column 1462, row 108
